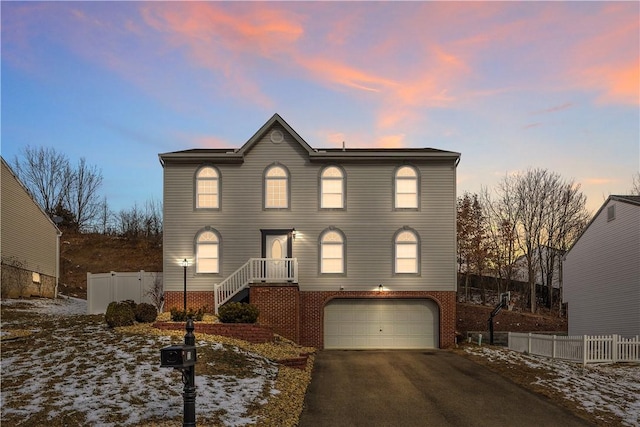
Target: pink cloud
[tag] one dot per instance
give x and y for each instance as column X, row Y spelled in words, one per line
column 336, row 72
column 390, row 141
column 599, row 181
column 532, row 125
column 554, row 109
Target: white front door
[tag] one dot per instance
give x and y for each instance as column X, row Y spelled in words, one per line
column 277, row 248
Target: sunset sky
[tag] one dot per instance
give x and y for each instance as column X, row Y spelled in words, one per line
column 510, row 85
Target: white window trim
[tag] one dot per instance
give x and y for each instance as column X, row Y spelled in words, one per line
column 342, row 192
column 198, row 179
column 396, row 193
column 287, row 187
column 341, row 244
column 198, row 244
column 416, row 244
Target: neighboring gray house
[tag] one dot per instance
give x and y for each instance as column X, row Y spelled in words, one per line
column 339, row 248
column 542, row 254
column 29, row 243
column 602, row 272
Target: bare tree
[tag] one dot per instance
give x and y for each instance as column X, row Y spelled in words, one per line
column 138, row 222
column 82, row 196
column 565, row 216
column 46, row 174
column 152, row 218
column 501, row 213
column 156, row 292
column 635, row 188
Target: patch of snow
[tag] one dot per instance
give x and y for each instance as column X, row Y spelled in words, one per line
column 116, row 380
column 610, row 388
column 62, row 306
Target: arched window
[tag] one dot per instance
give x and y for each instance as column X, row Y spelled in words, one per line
column 406, row 252
column 332, row 188
column 332, row 253
column 406, row 188
column 207, row 252
column 207, row 188
column 276, row 187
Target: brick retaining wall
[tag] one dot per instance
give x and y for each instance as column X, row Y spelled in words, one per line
column 256, row 334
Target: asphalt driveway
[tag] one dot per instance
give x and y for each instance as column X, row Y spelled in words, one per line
column 420, row 388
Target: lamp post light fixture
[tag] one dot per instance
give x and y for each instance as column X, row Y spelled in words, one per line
column 185, row 264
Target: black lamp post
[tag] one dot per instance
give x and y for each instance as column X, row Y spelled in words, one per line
column 185, row 264
column 189, row 379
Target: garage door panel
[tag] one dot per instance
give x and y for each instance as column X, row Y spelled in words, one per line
column 381, row 324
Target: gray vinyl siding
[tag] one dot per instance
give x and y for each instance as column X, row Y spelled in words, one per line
column 368, row 223
column 28, row 237
column 602, row 275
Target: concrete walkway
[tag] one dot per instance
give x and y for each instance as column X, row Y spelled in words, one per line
column 420, row 388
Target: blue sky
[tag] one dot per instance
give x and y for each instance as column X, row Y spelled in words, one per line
column 510, row 85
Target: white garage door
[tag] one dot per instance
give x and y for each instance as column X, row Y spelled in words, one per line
column 381, row 324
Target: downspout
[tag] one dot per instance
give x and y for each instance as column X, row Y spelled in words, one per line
column 58, row 235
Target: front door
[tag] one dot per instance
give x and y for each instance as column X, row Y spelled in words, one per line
column 276, row 247
column 276, row 252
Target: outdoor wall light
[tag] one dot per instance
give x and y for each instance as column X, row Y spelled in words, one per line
column 380, row 287
column 293, row 234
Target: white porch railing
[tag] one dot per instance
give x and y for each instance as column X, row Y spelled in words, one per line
column 270, row 270
column 583, row 349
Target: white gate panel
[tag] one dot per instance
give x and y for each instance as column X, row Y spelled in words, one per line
column 104, row 288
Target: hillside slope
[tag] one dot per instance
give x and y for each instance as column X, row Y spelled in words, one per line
column 473, row 317
column 97, row 253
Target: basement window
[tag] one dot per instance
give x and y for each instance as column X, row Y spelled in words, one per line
column 35, row 277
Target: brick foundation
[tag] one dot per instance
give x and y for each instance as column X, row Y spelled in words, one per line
column 299, row 316
column 313, row 303
column 279, row 307
column 195, row 300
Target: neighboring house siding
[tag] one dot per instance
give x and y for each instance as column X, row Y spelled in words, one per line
column 29, row 241
column 369, row 200
column 602, row 275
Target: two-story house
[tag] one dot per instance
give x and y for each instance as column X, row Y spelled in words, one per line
column 339, row 248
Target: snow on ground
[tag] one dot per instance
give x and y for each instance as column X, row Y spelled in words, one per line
column 113, row 379
column 63, row 306
column 611, row 388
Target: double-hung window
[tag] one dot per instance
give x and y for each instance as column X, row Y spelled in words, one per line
column 207, row 188
column 207, row 252
column 406, row 188
column 332, row 252
column 332, row 188
column 276, row 188
column 406, row 253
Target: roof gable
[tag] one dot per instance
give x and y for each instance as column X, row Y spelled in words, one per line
column 632, row 200
column 266, row 127
column 26, row 191
column 322, row 155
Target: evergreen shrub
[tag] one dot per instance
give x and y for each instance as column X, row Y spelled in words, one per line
column 238, row 312
column 119, row 314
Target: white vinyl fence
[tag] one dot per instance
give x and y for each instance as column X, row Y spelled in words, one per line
column 583, row 349
column 104, row 288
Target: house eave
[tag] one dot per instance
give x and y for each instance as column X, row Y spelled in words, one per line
column 199, row 156
column 382, row 154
